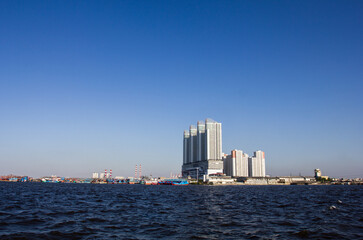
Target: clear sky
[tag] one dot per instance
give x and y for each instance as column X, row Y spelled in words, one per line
column 93, row 85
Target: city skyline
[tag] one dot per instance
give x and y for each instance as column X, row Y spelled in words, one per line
column 203, row 154
column 87, row 86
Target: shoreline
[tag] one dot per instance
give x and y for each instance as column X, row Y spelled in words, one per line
column 202, row 184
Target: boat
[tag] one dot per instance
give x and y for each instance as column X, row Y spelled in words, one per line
column 173, row 182
column 149, row 182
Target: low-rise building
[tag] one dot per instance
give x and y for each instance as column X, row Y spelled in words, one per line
column 218, row 179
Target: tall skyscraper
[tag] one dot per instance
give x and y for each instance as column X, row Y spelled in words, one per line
column 193, row 152
column 186, row 146
column 202, row 151
column 213, row 132
column 201, row 141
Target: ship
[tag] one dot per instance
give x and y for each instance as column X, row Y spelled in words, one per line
column 173, row 182
column 149, row 182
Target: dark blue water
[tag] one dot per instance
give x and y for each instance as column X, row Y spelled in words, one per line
column 86, row 211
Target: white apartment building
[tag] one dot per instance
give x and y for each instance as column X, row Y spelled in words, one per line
column 236, row 164
column 256, row 165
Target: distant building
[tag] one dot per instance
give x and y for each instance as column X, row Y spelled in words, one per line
column 290, row 180
column 203, row 156
column 186, row 146
column 317, row 173
column 193, row 150
column 213, row 140
column 94, row 175
column 202, row 149
column 236, row 164
column 256, row 165
column 201, row 141
column 218, row 179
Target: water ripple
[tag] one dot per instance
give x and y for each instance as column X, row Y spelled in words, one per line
column 86, row 211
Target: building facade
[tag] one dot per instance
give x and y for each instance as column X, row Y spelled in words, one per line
column 236, row 164
column 256, row 165
column 317, row 173
column 186, row 150
column 202, row 149
column 201, row 141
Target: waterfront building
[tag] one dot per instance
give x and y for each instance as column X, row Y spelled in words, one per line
column 201, row 141
column 256, row 165
column 228, row 165
column 236, row 164
column 317, row 173
column 202, row 149
column 95, row 175
column 186, row 146
column 193, row 150
column 213, row 140
column 203, row 156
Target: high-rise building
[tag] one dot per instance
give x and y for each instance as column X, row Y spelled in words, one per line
column 202, row 151
column 186, row 146
column 236, row 164
column 201, row 141
column 202, row 154
column 213, row 136
column 193, row 150
column 256, row 165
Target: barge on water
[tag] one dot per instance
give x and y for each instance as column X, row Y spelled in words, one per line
column 173, row 182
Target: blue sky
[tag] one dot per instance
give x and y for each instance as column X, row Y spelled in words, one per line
column 93, row 85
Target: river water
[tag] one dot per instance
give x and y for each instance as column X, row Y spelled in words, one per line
column 87, row 211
